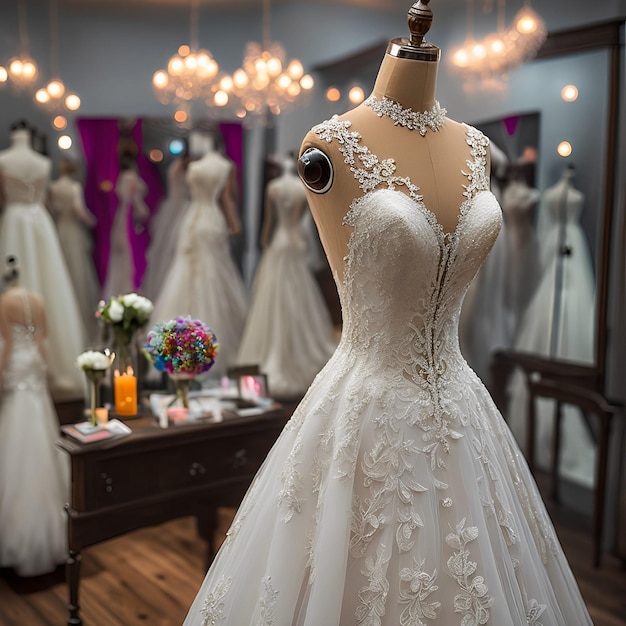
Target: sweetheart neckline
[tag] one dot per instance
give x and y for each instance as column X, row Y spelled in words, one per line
column 445, row 238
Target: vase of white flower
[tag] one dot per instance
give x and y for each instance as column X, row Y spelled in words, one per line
column 124, row 315
column 95, row 365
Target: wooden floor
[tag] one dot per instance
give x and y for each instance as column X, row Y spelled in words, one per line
column 151, row 577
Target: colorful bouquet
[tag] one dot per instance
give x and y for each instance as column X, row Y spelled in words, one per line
column 182, row 346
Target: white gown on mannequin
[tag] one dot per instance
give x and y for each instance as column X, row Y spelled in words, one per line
column 164, row 229
column 67, row 205
column 28, row 232
column 565, row 331
column 34, row 475
column 131, row 191
column 289, row 331
column 202, row 280
column 396, row 494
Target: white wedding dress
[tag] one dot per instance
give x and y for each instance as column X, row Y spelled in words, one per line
column 28, row 232
column 203, row 280
column 396, row 494
column 73, row 220
column 289, row 332
column 164, row 229
column 563, row 329
column 34, row 474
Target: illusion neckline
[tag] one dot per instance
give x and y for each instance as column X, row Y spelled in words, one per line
column 422, row 121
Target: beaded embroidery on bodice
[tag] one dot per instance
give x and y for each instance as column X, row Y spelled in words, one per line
column 404, row 277
column 26, row 370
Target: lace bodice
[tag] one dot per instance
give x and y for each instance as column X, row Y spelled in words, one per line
column 404, row 278
column 26, row 369
column 22, row 191
column 206, row 178
column 288, row 199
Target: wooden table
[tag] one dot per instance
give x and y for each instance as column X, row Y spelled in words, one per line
column 154, row 475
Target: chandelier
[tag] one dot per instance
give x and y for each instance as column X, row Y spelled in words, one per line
column 267, row 81
column 192, row 74
column 489, row 60
column 21, row 69
column 55, row 97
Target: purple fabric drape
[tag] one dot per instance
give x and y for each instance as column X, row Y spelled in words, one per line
column 100, row 138
column 232, row 132
column 151, row 176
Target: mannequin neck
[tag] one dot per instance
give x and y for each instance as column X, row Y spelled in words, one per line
column 409, row 82
column 20, row 138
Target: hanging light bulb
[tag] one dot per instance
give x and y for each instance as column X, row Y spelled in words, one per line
column 488, row 61
column 55, row 97
column 266, row 81
column 191, row 74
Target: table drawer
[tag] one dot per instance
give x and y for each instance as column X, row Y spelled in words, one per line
column 126, row 478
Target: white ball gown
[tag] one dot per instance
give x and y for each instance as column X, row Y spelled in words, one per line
column 559, row 322
column 28, row 232
column 164, row 229
column 396, row 494
column 289, row 332
column 73, row 220
column 203, row 280
column 34, row 475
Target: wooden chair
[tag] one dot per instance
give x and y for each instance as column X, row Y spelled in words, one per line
column 589, row 402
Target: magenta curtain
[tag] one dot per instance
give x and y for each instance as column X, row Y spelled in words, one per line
column 100, row 138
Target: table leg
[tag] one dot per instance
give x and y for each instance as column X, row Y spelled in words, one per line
column 206, row 521
column 72, row 567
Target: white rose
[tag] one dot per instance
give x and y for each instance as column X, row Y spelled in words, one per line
column 93, row 360
column 116, row 311
column 130, row 299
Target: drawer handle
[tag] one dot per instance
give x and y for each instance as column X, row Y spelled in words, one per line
column 197, row 469
column 240, row 458
column 108, row 482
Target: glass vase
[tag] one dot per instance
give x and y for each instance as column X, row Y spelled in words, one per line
column 94, row 379
column 182, row 383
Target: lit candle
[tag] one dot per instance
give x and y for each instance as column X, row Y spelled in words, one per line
column 125, row 392
column 102, row 415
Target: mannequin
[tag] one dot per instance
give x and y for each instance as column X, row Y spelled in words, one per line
column 74, row 221
column 396, row 491
column 165, row 227
column 289, row 332
column 131, row 191
column 202, row 279
column 28, row 232
column 559, row 322
column 34, row 474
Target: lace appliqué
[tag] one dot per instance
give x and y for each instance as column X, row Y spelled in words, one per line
column 408, row 118
column 374, row 595
column 213, row 608
column 416, row 585
column 534, row 613
column 474, row 600
column 269, row 598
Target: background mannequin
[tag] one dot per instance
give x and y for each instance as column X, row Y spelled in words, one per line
column 202, row 280
column 34, row 474
column 396, row 491
column 165, row 226
column 28, row 232
column 289, row 332
column 559, row 322
column 74, row 221
column 131, row 191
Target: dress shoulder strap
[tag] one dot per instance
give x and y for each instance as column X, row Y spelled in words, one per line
column 28, row 316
